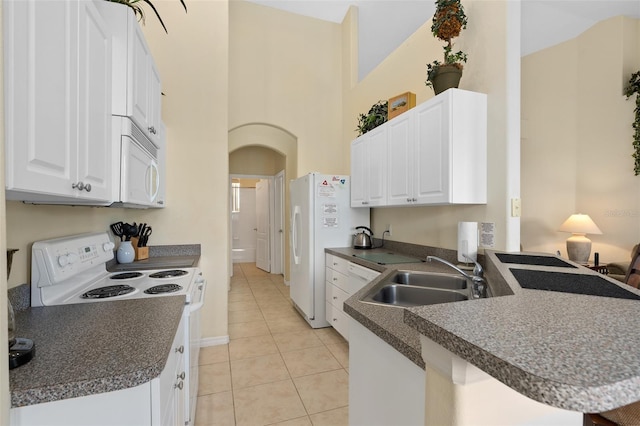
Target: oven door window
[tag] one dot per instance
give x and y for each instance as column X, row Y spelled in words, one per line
column 140, row 179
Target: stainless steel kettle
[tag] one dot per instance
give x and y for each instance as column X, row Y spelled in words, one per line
column 363, row 240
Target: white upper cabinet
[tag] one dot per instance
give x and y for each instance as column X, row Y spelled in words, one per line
column 369, row 166
column 136, row 80
column 436, row 153
column 57, row 71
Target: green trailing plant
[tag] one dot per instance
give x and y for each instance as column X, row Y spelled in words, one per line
column 448, row 21
column 135, row 6
column 376, row 116
column 633, row 88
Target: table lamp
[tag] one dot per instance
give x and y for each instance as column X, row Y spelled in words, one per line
column 578, row 245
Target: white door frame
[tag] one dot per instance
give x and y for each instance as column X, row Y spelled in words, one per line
column 276, row 218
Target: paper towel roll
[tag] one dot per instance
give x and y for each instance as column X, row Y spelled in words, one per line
column 467, row 241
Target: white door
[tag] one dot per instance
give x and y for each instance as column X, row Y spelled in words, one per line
column 277, row 264
column 262, row 225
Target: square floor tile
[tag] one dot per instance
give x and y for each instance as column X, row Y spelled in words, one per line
column 288, row 342
column 245, row 316
column 341, row 352
column 268, row 403
column 242, row 306
column 304, row 362
column 329, row 335
column 288, row 324
column 248, row 329
column 252, row 347
column 215, row 410
column 300, row 421
column 271, row 313
column 214, row 378
column 257, row 371
column 212, row 354
column 324, row 391
column 337, row 417
column 243, row 296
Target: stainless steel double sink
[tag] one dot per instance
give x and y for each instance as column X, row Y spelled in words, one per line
column 417, row 288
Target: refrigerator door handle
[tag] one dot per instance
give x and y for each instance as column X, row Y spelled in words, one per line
column 295, row 243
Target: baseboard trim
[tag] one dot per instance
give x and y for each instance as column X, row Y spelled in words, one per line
column 214, row 341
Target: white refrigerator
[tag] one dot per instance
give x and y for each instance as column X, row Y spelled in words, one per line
column 321, row 217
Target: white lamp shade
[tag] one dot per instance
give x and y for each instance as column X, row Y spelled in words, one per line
column 580, row 224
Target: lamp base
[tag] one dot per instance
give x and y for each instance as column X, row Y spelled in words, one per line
column 579, row 248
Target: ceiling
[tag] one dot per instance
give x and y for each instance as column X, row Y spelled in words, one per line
column 544, row 22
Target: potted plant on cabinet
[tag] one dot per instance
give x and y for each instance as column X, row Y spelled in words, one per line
column 134, row 4
column 448, row 21
column 376, row 116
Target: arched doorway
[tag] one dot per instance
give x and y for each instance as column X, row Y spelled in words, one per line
column 258, row 150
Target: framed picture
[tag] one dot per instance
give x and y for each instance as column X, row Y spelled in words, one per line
column 401, row 103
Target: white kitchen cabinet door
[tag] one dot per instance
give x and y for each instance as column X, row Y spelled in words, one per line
column 369, row 169
column 56, row 108
column 450, row 149
column 95, row 162
column 136, row 80
column 400, row 156
column 431, row 158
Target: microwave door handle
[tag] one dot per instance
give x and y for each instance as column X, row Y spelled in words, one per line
column 148, row 183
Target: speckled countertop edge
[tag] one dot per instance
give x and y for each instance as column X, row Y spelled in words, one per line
column 76, row 347
column 386, row 321
column 570, row 351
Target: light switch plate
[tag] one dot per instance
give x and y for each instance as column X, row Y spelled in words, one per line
column 516, row 207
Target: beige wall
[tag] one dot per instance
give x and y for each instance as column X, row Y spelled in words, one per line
column 405, row 70
column 576, row 150
column 193, row 63
column 285, row 72
column 256, row 160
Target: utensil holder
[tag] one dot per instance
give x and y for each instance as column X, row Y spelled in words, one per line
column 141, row 253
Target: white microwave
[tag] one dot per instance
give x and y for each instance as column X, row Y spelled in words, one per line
column 141, row 179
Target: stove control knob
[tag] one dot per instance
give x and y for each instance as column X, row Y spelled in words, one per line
column 73, row 258
column 63, row 260
column 108, row 246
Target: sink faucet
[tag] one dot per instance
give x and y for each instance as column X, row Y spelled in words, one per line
column 479, row 283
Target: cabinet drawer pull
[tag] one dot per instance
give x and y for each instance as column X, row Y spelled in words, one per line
column 180, row 349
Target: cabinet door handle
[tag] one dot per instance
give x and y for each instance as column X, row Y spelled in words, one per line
column 87, row 187
column 180, row 349
column 79, row 186
column 180, row 385
column 152, row 130
column 408, row 200
column 181, row 376
column 335, row 297
column 335, row 279
column 414, row 199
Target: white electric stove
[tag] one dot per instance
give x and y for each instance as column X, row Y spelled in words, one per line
column 73, row 269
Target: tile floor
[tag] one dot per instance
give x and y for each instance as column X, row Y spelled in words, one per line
column 276, row 370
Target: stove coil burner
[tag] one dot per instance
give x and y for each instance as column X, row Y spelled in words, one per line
column 126, row 276
column 169, row 274
column 163, row 288
column 108, row 291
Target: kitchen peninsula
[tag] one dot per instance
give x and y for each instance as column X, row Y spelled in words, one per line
column 559, row 354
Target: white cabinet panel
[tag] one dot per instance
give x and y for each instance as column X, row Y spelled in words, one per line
column 57, row 80
column 400, row 156
column 369, row 169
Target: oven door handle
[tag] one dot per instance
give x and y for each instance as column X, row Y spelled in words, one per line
column 202, row 285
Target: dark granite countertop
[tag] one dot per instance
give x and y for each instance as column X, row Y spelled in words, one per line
column 89, row 348
column 571, row 351
column 162, row 257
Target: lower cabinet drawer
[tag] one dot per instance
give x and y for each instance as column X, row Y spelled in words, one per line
column 338, row 320
column 335, row 295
